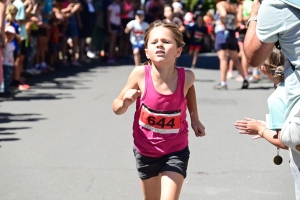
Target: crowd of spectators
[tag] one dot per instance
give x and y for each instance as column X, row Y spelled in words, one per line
column 40, row 35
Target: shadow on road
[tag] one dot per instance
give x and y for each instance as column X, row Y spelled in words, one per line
column 6, row 118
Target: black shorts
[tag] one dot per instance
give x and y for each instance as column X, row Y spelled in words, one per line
column 43, row 32
column 115, row 28
column 23, row 48
column 149, row 167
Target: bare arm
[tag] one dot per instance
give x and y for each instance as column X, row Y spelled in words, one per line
column 129, row 93
column 254, row 127
column 197, row 126
column 256, row 52
column 2, row 17
column 222, row 11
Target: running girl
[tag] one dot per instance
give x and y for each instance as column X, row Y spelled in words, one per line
column 160, row 130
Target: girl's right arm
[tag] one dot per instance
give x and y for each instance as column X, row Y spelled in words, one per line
column 130, row 92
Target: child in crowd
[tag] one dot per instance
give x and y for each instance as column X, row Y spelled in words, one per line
column 8, row 61
column 197, row 34
column 160, row 130
column 114, row 28
column 99, row 32
column 21, row 18
column 55, row 35
column 273, row 69
column 137, row 29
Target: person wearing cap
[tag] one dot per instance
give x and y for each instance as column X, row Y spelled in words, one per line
column 137, row 29
column 8, row 61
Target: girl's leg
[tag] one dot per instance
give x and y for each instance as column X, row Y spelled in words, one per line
column 1, row 70
column 244, row 63
column 195, row 57
column 235, row 59
column 171, row 184
column 234, row 56
column 38, row 52
column 151, row 188
column 43, row 49
column 82, row 42
column 112, row 46
column 223, row 58
column 137, row 56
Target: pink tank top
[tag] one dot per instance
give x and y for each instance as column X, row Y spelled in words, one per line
column 128, row 6
column 160, row 125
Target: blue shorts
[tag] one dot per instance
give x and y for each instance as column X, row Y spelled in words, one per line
column 138, row 46
column 72, row 29
column 223, row 43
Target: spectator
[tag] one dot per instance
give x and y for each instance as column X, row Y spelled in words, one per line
column 127, row 15
column 197, row 34
column 171, row 17
column 55, row 35
column 137, row 29
column 2, row 14
column 226, row 42
column 262, row 34
column 114, row 28
column 19, row 63
column 84, row 17
column 99, row 32
column 8, row 61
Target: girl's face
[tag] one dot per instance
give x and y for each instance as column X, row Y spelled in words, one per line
column 200, row 20
column 162, row 47
column 9, row 36
column 265, row 72
column 168, row 12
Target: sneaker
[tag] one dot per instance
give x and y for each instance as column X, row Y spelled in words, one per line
column 76, row 63
column 239, row 78
column 65, row 63
column 230, row 75
column 30, row 72
column 23, row 86
column 220, row 87
column 245, row 84
column 111, row 60
column 90, row 54
column 253, row 79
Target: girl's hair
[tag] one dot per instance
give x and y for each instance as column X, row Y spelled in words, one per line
column 274, row 65
column 169, row 6
column 10, row 11
column 169, row 25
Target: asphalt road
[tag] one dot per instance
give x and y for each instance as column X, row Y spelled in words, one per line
column 61, row 141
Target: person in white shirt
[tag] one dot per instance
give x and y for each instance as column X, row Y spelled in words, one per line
column 137, row 29
column 8, row 61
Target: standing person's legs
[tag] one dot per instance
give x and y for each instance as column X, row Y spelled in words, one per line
column 137, row 56
column 1, row 70
column 223, row 59
column 244, row 62
column 112, row 46
column 195, row 55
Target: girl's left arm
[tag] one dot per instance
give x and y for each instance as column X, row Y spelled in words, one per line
column 197, row 126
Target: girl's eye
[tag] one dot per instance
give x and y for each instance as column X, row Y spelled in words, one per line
column 167, row 42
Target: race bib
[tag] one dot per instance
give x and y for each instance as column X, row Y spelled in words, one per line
column 163, row 122
column 198, row 35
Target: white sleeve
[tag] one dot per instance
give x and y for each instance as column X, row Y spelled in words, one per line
column 270, row 21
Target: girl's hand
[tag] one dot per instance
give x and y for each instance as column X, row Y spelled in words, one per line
column 198, row 128
column 248, row 126
column 130, row 96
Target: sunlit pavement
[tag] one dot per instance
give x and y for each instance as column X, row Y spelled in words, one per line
column 61, row 140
